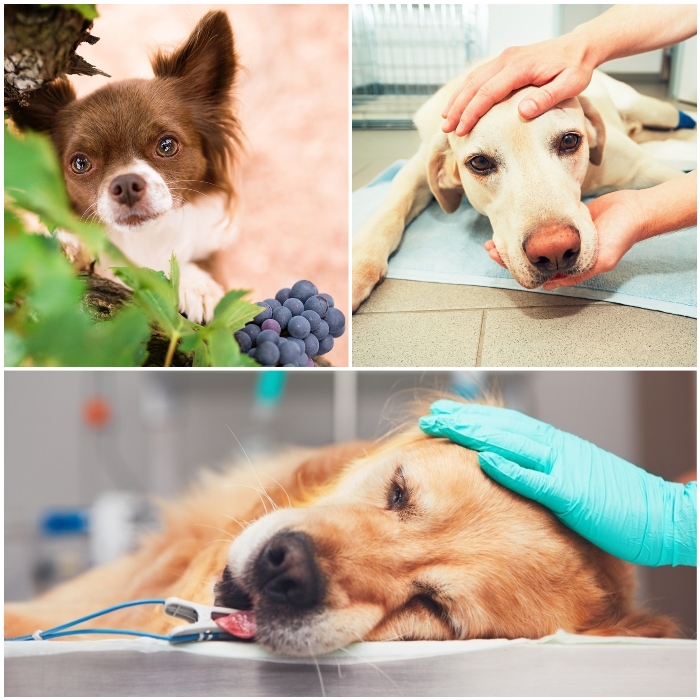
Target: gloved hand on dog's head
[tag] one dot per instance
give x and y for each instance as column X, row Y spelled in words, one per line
column 619, row 507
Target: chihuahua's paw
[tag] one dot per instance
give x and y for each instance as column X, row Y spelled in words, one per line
column 366, row 275
column 199, row 294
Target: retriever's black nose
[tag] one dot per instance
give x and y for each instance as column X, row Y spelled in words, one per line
column 286, row 572
column 127, row 189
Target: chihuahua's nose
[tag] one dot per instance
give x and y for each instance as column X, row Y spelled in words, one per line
column 127, row 189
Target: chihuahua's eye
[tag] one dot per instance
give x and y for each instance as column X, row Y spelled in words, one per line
column 80, row 165
column 569, row 143
column 481, row 165
column 167, row 147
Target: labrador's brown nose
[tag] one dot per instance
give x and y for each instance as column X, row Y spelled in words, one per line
column 553, row 247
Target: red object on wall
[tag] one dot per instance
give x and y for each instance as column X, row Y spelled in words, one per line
column 97, row 412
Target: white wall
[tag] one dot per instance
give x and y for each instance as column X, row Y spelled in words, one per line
column 684, row 78
column 518, row 25
column 573, row 15
column 598, row 406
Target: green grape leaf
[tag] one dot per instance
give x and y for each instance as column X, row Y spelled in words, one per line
column 34, row 263
column 15, row 350
column 224, row 350
column 232, row 312
column 175, row 280
column 87, row 11
column 153, row 292
column 34, row 181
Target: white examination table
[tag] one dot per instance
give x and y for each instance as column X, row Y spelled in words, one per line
column 561, row 665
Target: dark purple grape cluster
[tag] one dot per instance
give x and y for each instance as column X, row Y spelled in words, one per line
column 293, row 328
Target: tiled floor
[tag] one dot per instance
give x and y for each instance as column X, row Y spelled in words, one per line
column 421, row 324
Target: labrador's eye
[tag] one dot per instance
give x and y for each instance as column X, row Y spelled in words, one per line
column 80, row 164
column 167, row 147
column 481, row 165
column 569, row 143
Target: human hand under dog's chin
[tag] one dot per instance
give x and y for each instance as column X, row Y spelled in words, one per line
column 616, row 219
column 490, row 248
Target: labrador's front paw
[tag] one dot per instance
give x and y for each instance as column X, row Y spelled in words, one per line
column 199, row 294
column 366, row 275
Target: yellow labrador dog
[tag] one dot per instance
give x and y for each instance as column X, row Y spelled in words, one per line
column 526, row 175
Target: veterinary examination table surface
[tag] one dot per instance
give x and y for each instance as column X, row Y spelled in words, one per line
column 561, row 665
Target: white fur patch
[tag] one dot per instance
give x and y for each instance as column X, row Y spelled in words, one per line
column 156, row 201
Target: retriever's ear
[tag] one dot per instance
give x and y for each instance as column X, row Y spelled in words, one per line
column 595, row 129
column 41, row 106
column 443, row 174
column 206, row 63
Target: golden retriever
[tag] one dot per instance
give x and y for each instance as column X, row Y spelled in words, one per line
column 402, row 539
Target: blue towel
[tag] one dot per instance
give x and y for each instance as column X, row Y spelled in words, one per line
column 685, row 121
column 659, row 273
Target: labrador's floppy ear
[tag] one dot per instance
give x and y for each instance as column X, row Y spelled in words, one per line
column 443, row 174
column 595, row 129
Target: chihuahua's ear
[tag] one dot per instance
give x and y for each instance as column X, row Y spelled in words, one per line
column 595, row 130
column 41, row 106
column 443, row 174
column 206, row 62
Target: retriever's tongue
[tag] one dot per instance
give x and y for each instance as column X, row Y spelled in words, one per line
column 239, row 624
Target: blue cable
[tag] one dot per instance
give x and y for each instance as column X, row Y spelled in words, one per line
column 59, row 630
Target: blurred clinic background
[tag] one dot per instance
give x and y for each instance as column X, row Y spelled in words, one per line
column 86, row 452
column 402, row 53
column 293, row 214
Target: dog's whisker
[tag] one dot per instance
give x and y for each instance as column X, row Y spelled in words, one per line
column 211, row 542
column 371, row 665
column 214, row 527
column 250, row 464
column 85, row 213
column 241, row 523
column 284, row 490
column 204, row 182
column 318, row 670
column 190, row 189
column 261, row 491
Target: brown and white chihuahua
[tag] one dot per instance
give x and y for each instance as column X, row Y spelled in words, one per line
column 153, row 159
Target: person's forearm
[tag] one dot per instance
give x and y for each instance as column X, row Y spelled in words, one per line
column 667, row 207
column 626, row 30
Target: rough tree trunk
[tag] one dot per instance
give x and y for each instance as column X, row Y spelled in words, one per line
column 104, row 298
column 40, row 45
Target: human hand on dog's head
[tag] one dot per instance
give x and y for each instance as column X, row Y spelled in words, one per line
column 560, row 68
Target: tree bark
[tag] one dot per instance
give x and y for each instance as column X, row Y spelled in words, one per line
column 104, row 298
column 40, row 45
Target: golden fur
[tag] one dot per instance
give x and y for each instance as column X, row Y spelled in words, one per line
column 461, row 558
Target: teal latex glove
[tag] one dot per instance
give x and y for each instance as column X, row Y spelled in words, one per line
column 622, row 509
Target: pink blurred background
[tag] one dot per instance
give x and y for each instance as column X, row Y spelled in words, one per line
column 294, row 105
